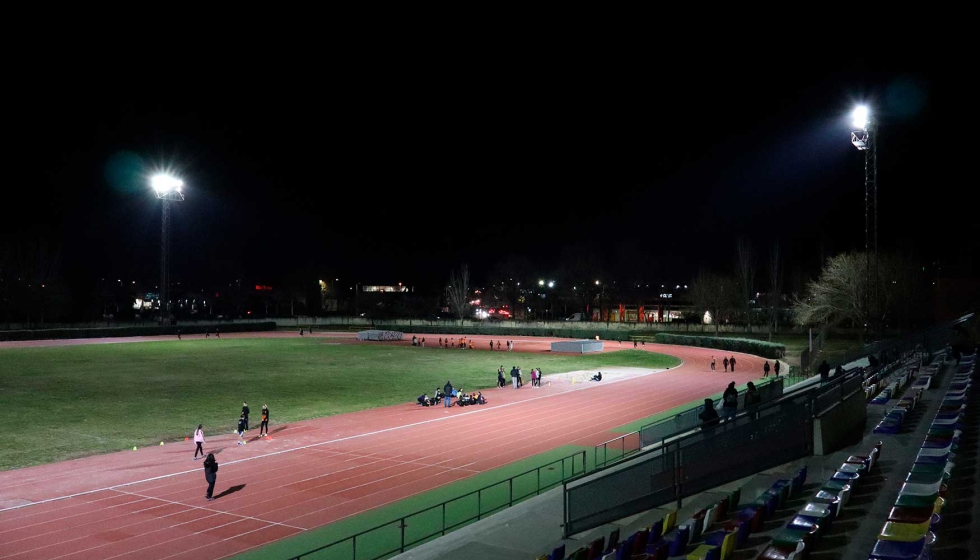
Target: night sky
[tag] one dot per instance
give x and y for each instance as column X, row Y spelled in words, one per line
column 400, row 168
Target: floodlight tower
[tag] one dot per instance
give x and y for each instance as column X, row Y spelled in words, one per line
column 168, row 189
column 865, row 138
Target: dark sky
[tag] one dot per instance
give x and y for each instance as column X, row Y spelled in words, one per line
column 400, row 167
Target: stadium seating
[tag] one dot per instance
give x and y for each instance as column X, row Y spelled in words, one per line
column 908, row 532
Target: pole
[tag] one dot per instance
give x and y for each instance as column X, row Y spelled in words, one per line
column 164, row 258
column 871, row 229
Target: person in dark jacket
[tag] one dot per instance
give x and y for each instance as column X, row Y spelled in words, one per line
column 752, row 396
column 210, row 474
column 725, row 363
column 729, row 401
column 241, row 430
column 423, row 399
column 775, row 368
column 824, row 370
column 448, row 394
column 708, row 416
column 500, row 377
column 513, row 375
column 265, row 420
column 245, row 414
column 765, row 369
column 731, row 362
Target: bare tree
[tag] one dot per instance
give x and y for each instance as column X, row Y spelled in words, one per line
column 457, row 292
column 837, row 296
column 714, row 294
column 745, row 267
column 775, row 288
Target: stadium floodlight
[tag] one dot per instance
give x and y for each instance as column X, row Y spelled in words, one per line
column 540, row 282
column 168, row 189
column 167, row 186
column 551, row 283
column 861, row 117
column 865, row 139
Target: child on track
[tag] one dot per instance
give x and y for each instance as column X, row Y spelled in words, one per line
column 241, row 430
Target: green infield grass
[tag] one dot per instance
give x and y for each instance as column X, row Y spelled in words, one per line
column 66, row 402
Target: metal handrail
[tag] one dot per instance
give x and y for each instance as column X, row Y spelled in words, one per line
column 480, row 514
column 622, row 439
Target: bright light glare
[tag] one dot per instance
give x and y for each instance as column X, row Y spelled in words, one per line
column 164, row 183
column 860, row 116
column 551, row 284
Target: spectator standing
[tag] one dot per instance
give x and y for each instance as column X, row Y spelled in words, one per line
column 765, row 369
column 513, row 376
column 520, row 378
column 448, row 394
column 210, row 474
column 245, row 414
column 752, row 396
column 708, row 416
column 725, row 363
column 729, row 401
column 199, row 440
column 264, row 426
column 534, row 377
column 824, row 370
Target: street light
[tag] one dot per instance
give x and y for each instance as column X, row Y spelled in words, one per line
column 865, row 139
column 168, row 189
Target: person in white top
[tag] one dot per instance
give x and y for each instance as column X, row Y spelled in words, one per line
column 199, row 440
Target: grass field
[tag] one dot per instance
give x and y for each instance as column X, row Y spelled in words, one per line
column 66, row 402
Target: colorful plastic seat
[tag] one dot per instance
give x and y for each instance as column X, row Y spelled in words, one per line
column 705, row 552
column 775, row 552
column 905, row 532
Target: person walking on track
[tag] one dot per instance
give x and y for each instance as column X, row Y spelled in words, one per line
column 725, row 363
column 712, row 363
column 731, row 362
column 491, row 346
column 264, row 426
column 199, row 440
column 245, row 414
column 210, row 474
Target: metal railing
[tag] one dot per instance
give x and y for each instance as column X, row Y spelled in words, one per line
column 627, row 444
column 691, row 463
column 416, row 528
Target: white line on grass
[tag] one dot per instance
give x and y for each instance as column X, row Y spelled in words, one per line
column 302, row 447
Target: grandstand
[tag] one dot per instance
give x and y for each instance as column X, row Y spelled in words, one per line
column 857, row 466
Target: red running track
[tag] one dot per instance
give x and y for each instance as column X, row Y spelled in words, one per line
column 150, row 504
